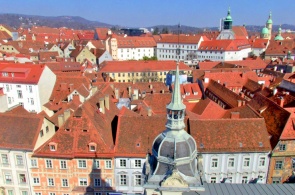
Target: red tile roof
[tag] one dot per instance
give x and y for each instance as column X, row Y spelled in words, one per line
column 224, row 45
column 240, row 32
column 230, row 135
column 86, row 125
column 19, row 129
column 289, row 129
column 102, row 33
column 141, row 66
column 275, row 116
column 182, row 39
column 280, row 47
column 136, row 42
column 22, row 73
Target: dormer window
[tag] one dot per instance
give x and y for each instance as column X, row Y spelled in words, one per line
column 5, row 74
column 52, row 146
column 92, row 147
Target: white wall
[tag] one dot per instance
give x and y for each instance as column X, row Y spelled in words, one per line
column 238, row 171
column 130, row 170
column 135, row 53
column 167, row 51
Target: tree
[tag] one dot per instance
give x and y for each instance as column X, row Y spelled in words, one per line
column 165, row 30
column 145, row 58
column 156, row 31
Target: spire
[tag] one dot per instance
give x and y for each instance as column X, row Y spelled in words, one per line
column 176, row 102
column 228, row 12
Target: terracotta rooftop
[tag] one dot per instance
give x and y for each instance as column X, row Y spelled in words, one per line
column 182, row 39
column 289, row 130
column 132, row 42
column 141, row 66
column 15, row 127
column 20, row 73
column 224, row 45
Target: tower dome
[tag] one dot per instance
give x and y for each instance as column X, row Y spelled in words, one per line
column 279, row 35
column 264, row 30
column 227, row 23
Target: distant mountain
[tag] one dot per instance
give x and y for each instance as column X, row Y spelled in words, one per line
column 76, row 22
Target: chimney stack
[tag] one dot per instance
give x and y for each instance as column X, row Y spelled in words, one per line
column 151, row 86
column 107, row 101
column 135, row 94
column 234, row 115
column 281, row 101
column 117, row 93
column 150, row 80
column 101, row 105
column 67, row 114
column 93, row 89
column 149, row 111
column 60, row 120
column 239, row 103
column 129, row 91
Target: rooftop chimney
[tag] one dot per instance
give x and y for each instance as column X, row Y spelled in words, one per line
column 117, row 93
column 136, row 94
column 129, row 91
column 67, row 114
column 235, row 115
column 151, row 86
column 93, row 89
column 149, row 111
column 60, row 120
column 101, row 105
column 239, row 103
column 281, row 101
column 107, row 101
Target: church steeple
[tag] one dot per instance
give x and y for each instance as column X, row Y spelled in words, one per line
column 269, row 25
column 228, row 22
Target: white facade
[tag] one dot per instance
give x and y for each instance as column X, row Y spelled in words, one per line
column 31, row 96
column 236, row 167
column 223, row 55
column 167, row 51
column 135, row 53
column 15, row 172
column 128, row 172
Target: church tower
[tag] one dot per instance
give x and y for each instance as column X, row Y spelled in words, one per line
column 228, row 22
column 173, row 166
column 269, row 25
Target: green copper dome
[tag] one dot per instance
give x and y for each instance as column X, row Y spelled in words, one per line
column 279, row 35
column 228, row 17
column 264, row 31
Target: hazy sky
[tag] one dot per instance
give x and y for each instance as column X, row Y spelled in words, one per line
column 145, row 13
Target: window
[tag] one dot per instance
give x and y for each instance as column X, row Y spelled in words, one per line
column 8, row 178
column 7, row 88
column 41, row 133
column 293, row 163
column 282, row 147
column 82, row 181
column 32, row 101
column 122, row 163
column 10, row 192
column 137, row 163
column 279, row 164
column 108, row 164
column 96, row 164
column 246, row 162
column 50, row 182
column 82, row 163
column 24, row 192
column 4, row 74
column 245, row 179
column 97, row 182
column 108, row 182
column 65, row 182
column 262, row 161
column 51, row 193
column 34, row 163
column 52, row 147
column 231, row 162
column 214, row 162
column 4, row 159
column 47, row 129
column 48, row 164
column 30, row 89
column 63, row 164
column 276, row 180
column 137, row 180
column 36, row 180
column 123, row 180
column 19, row 94
column 213, row 180
column 22, row 178
column 38, row 193
column 92, row 148
column 19, row 160
column 97, row 193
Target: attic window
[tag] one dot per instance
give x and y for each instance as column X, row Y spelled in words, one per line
column 201, row 145
column 84, row 130
column 260, row 144
column 92, row 147
column 5, row 74
column 138, row 144
column 241, row 145
column 52, row 146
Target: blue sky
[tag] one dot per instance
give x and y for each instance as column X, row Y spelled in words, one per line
column 145, row 13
